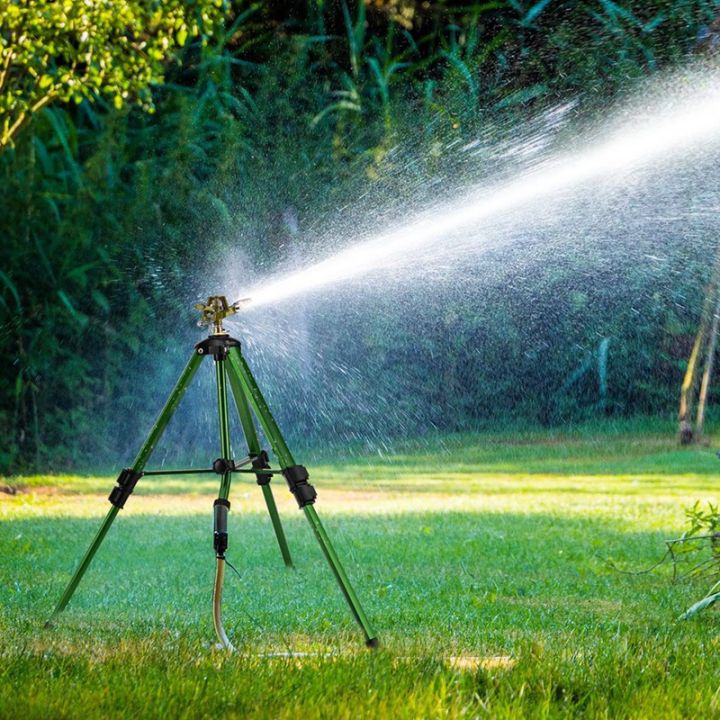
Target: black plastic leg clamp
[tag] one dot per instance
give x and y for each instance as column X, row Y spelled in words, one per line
column 260, row 462
column 297, row 480
column 222, row 466
column 126, row 482
column 220, row 526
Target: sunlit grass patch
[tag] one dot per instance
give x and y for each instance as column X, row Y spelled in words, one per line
column 492, row 592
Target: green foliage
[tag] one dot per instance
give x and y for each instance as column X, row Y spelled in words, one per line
column 708, row 601
column 704, row 530
column 114, row 219
column 66, row 51
column 704, row 522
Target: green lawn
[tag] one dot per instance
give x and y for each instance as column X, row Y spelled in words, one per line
column 482, row 561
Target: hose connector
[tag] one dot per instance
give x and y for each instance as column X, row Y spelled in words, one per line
column 220, row 526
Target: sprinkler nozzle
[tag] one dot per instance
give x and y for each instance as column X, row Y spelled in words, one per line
column 215, row 310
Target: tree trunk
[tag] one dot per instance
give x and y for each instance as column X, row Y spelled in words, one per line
column 707, row 374
column 687, row 390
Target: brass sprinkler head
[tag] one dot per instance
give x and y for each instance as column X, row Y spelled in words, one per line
column 215, row 310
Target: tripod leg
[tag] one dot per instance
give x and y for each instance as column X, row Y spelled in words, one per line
column 296, row 476
column 255, row 451
column 128, row 478
column 221, row 506
column 224, row 419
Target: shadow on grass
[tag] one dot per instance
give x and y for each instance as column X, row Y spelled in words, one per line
column 137, row 640
column 451, row 581
column 463, row 460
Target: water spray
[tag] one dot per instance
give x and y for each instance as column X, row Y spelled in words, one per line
column 215, row 310
column 230, row 368
column 670, row 128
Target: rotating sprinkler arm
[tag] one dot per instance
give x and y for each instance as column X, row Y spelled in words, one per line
column 215, row 310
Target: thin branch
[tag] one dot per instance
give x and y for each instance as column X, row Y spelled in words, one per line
column 690, row 538
column 646, row 571
column 699, row 569
column 8, row 61
column 5, row 68
column 10, row 132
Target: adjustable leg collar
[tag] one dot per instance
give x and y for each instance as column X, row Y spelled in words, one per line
column 297, row 480
column 260, row 462
column 126, row 482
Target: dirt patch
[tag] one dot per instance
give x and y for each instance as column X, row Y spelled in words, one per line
column 470, row 662
column 43, row 490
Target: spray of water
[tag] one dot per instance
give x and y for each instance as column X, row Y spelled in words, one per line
column 666, row 129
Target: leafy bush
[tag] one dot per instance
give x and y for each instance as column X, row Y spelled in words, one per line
column 113, row 219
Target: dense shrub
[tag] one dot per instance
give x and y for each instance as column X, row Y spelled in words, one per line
column 113, row 221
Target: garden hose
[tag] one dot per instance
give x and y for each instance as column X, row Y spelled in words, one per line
column 217, row 605
column 220, row 541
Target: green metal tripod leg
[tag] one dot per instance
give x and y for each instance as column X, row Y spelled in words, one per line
column 137, row 466
column 280, row 448
column 224, row 418
column 254, row 450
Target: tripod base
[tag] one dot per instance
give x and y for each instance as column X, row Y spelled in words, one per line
column 230, row 367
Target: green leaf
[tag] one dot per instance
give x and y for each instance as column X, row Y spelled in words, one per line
column 181, row 36
column 463, row 69
column 522, row 96
column 63, row 135
column 615, row 10
column 80, row 318
column 101, row 300
column 706, row 602
column 11, row 287
column 654, row 23
column 534, row 12
column 342, row 105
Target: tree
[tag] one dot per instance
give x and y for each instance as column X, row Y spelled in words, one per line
column 70, row 50
column 705, row 341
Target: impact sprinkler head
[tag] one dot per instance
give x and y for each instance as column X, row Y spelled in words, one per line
column 215, row 310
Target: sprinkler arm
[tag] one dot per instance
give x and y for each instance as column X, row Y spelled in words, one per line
column 215, row 310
